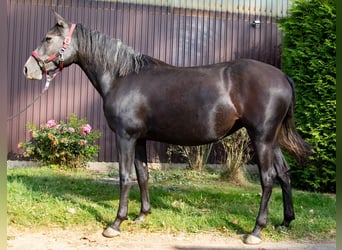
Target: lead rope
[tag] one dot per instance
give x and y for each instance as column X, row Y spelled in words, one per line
column 46, row 87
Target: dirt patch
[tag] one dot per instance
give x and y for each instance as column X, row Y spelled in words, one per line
column 56, row 239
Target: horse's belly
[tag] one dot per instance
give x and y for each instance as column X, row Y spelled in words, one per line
column 192, row 128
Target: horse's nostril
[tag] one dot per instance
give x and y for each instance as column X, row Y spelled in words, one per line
column 25, row 71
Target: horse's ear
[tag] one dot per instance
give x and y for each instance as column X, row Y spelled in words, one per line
column 60, row 20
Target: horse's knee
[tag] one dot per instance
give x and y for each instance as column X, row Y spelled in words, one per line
column 126, row 181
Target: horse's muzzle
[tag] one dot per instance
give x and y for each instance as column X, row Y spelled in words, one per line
column 31, row 70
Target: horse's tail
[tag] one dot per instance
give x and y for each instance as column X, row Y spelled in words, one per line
column 289, row 137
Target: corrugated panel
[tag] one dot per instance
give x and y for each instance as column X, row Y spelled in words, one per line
column 182, row 33
column 256, row 7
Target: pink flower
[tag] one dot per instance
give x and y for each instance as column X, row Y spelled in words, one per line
column 71, row 129
column 19, row 146
column 51, row 123
column 86, row 129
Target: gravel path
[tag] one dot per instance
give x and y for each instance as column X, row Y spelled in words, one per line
column 57, row 239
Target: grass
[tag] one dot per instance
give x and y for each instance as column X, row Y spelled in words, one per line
column 182, row 201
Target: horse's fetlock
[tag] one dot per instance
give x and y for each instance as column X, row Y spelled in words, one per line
column 121, row 217
column 146, row 212
column 261, row 223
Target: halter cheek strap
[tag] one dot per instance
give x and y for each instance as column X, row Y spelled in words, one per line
column 60, row 55
column 42, row 64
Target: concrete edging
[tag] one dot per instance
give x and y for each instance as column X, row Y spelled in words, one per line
column 108, row 166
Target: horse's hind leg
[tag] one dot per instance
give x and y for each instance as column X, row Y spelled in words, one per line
column 142, row 175
column 283, row 177
column 265, row 156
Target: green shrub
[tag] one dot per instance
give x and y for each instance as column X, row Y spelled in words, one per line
column 309, row 57
column 65, row 144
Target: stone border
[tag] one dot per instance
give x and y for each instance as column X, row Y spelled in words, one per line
column 109, row 166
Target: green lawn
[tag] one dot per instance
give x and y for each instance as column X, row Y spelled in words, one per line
column 182, row 201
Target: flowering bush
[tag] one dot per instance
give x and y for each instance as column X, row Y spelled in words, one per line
column 65, row 144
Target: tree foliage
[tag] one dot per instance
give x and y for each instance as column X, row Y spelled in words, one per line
column 309, row 57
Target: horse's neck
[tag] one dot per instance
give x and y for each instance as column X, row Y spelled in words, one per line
column 104, row 59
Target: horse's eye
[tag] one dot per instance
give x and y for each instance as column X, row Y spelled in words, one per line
column 47, row 39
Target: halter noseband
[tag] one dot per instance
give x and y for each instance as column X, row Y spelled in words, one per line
column 60, row 55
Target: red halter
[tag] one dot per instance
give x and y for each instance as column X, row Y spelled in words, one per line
column 60, row 54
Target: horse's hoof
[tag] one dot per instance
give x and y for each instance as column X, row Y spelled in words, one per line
column 282, row 229
column 140, row 219
column 252, row 240
column 110, row 232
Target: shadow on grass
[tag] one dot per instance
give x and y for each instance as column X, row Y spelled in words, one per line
column 229, row 209
column 72, row 188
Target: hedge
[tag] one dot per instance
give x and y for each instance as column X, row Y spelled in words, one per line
column 309, row 57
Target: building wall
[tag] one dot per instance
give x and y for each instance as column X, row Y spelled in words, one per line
column 179, row 32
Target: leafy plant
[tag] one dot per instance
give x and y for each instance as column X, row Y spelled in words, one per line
column 309, row 57
column 195, row 156
column 65, row 144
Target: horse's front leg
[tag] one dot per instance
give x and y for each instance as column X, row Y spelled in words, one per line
column 142, row 175
column 126, row 150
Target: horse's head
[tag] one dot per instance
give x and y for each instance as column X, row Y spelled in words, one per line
column 56, row 50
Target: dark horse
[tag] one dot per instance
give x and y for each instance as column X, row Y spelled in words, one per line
column 146, row 99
